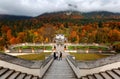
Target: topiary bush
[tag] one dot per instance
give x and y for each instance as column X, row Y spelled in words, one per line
column 116, row 47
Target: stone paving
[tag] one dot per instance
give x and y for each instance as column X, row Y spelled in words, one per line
column 60, row 70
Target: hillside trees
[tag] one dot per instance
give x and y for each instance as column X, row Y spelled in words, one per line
column 114, row 35
column 43, row 31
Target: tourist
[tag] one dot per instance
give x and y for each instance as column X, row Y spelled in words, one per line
column 54, row 55
column 60, row 56
column 57, row 55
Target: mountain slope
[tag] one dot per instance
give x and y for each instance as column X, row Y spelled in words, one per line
column 12, row 17
column 79, row 15
column 66, row 15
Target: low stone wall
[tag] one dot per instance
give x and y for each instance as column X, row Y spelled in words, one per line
column 86, row 71
column 45, row 65
column 37, row 68
column 73, row 65
column 34, row 71
column 75, row 51
column 85, row 68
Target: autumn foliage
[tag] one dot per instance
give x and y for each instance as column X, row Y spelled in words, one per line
column 75, row 28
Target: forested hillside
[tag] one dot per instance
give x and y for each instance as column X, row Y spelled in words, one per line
column 13, row 17
column 93, row 27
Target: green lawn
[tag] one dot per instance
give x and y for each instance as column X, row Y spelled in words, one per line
column 87, row 57
column 87, row 47
column 35, row 47
column 40, row 56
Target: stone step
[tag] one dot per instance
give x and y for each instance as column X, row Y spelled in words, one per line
column 21, row 76
column 14, row 75
column 28, row 77
column 64, row 68
column 62, row 74
column 3, row 71
column 98, row 76
column 91, row 77
column 58, row 77
column 7, row 74
column 55, row 75
column 59, row 70
column 105, row 75
column 109, row 74
column 113, row 75
column 116, row 71
column 84, row 77
column 35, row 77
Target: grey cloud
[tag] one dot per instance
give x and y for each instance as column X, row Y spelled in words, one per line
column 36, row 7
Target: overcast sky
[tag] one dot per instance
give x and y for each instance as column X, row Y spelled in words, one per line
column 37, row 7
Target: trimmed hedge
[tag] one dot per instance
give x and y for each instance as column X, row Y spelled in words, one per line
column 35, row 47
column 87, row 47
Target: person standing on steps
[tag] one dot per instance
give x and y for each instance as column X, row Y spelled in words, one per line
column 57, row 55
column 54, row 55
column 60, row 56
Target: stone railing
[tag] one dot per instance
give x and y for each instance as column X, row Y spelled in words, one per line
column 45, row 65
column 45, row 62
column 37, row 68
column 90, row 67
column 72, row 60
column 73, row 65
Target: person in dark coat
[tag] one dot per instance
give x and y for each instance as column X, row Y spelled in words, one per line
column 54, row 55
column 60, row 57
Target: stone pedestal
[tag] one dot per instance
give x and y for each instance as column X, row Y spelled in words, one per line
column 19, row 50
column 33, row 51
column 87, row 51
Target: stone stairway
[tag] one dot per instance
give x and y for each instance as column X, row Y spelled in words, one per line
column 109, row 74
column 6, row 73
column 60, row 70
